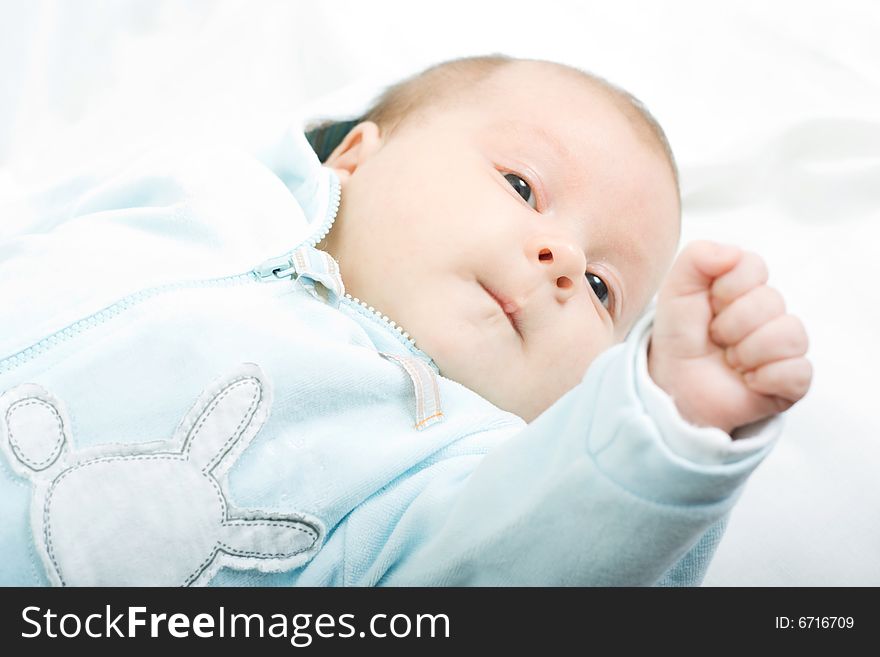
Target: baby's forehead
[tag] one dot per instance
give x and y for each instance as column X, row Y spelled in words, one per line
column 546, row 84
column 561, row 99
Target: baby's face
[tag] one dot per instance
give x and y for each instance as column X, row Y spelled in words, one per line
column 515, row 236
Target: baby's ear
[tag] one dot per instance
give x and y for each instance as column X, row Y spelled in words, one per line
column 358, row 146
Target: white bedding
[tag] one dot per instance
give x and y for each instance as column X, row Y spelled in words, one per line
column 773, row 110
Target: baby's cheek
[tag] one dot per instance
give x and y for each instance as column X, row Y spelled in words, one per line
column 544, row 382
column 578, row 348
column 575, row 361
column 443, row 346
column 456, row 357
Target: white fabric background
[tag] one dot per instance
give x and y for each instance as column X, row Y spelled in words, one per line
column 773, row 110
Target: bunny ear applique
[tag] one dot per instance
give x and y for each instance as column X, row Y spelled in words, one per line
column 224, row 420
column 155, row 514
column 33, row 431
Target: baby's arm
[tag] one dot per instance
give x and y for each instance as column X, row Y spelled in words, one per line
column 611, row 486
column 588, row 494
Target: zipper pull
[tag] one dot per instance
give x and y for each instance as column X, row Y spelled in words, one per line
column 276, row 268
column 315, row 270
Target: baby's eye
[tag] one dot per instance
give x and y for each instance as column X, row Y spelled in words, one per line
column 522, row 188
column 600, row 289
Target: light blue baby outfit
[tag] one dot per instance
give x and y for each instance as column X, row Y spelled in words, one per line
column 188, row 397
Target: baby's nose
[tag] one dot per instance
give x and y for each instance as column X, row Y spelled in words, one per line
column 562, row 262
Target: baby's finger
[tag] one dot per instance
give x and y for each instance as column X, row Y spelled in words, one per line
column 697, row 266
column 749, row 273
column 780, row 338
column 789, row 379
column 745, row 314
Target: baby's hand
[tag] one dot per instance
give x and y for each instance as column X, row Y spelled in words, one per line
column 722, row 346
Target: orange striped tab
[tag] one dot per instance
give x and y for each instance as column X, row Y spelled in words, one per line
column 428, row 409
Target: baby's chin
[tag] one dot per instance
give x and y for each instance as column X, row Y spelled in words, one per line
column 514, row 386
column 529, row 409
column 505, row 376
column 527, row 402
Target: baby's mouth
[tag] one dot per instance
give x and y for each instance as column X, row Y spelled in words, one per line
column 508, row 307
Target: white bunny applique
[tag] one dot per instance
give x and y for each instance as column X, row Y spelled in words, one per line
column 154, row 513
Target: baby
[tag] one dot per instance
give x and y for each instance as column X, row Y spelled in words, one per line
column 169, row 417
column 515, row 300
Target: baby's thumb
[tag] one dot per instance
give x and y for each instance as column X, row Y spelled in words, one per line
column 697, row 266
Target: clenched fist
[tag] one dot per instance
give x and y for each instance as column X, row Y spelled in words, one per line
column 723, row 346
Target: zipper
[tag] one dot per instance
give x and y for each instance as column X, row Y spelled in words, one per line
column 368, row 311
column 273, row 269
column 362, row 306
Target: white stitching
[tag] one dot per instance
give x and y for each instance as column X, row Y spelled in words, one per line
column 18, row 450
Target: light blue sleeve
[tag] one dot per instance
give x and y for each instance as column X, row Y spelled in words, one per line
column 590, row 493
column 691, row 568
